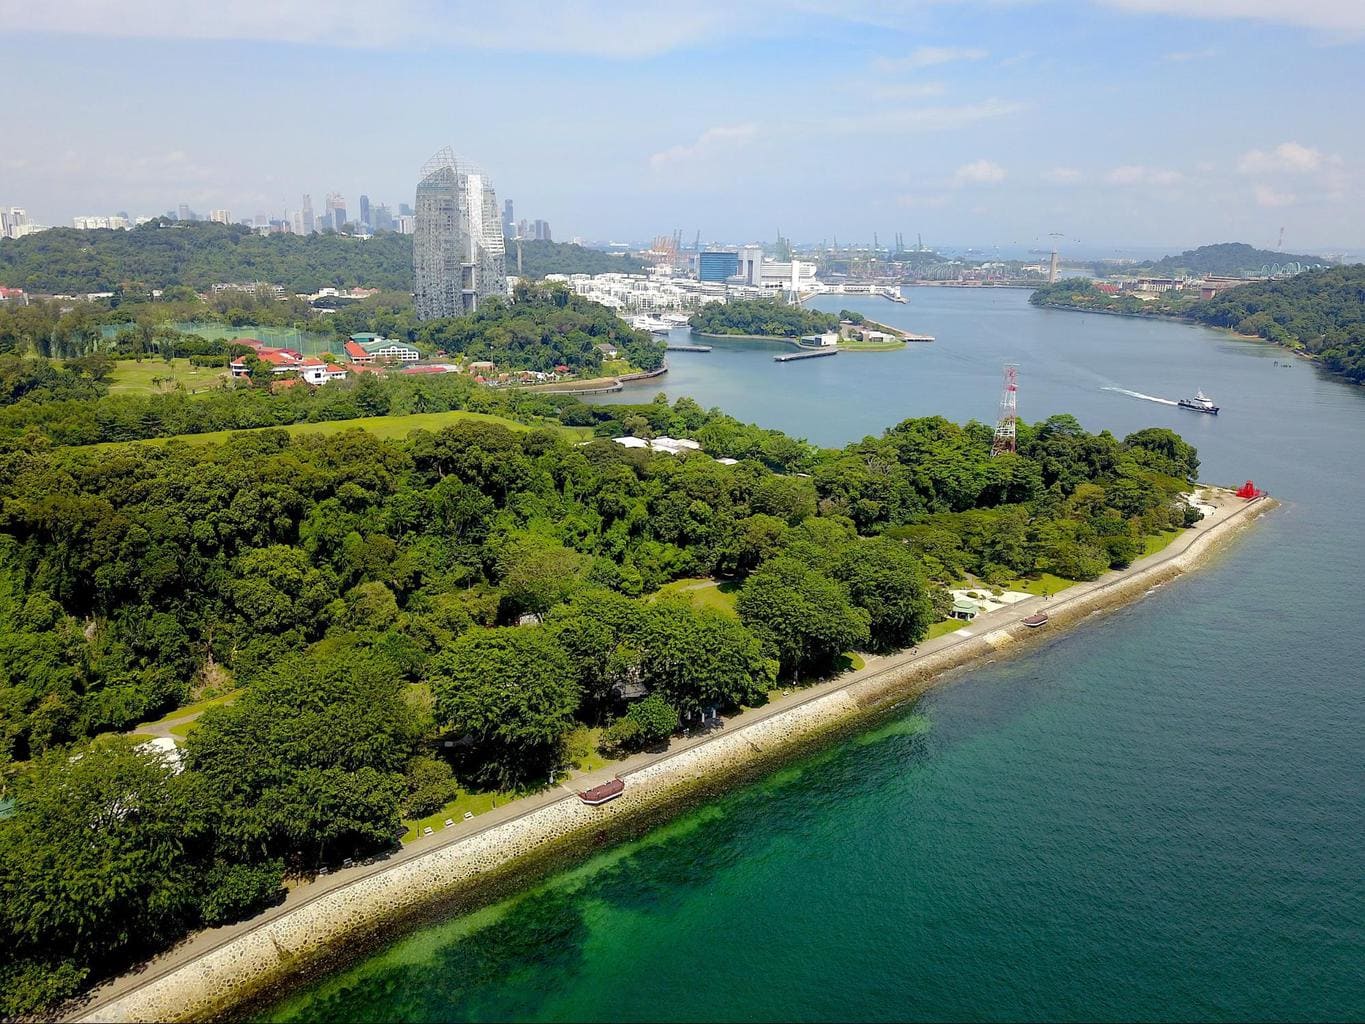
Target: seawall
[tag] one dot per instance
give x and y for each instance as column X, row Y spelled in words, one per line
column 256, row 956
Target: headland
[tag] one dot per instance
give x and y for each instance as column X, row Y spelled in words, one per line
column 217, row 969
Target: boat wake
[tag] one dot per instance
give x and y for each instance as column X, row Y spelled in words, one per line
column 1139, row 394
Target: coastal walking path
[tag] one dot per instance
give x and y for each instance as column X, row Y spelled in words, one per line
column 1228, row 512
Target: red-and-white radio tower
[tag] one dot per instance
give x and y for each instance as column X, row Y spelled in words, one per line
column 1006, row 438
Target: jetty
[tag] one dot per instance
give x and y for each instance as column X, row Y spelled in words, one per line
column 817, row 354
column 687, row 348
column 907, row 336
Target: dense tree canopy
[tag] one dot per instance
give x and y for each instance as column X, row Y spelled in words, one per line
column 165, row 254
column 761, row 316
column 360, row 604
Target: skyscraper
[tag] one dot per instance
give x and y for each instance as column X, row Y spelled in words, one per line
column 458, row 256
column 383, row 218
column 309, row 226
column 365, row 211
column 509, row 219
column 336, row 211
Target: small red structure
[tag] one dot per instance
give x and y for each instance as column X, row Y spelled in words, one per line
column 1249, row 490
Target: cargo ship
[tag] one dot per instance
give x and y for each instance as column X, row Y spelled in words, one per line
column 1199, row 403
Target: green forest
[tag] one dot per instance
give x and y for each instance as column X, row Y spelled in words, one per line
column 539, row 327
column 762, row 317
column 1319, row 312
column 356, row 603
column 164, row 253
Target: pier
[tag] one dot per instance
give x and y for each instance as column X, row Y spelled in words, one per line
column 688, row 348
column 818, row 354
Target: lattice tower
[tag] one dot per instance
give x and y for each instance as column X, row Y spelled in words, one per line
column 1006, row 435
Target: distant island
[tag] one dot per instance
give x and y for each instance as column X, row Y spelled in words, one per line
column 761, row 318
column 1320, row 313
column 1224, row 259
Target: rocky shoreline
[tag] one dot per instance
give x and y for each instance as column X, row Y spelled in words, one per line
column 258, row 959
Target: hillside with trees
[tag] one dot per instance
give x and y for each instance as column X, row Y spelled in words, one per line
column 539, row 258
column 1318, row 312
column 1225, row 259
column 164, row 253
column 769, row 317
column 356, row 602
column 541, row 326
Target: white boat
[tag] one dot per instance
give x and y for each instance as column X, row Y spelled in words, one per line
column 1199, row 403
column 649, row 323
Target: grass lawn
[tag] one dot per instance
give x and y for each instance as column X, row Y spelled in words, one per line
column 939, row 629
column 380, row 426
column 1151, row 545
column 871, row 346
column 703, row 593
column 475, row 803
column 153, row 376
column 850, row 662
column 1043, row 583
column 583, row 754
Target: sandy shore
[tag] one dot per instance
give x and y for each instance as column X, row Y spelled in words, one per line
column 212, row 971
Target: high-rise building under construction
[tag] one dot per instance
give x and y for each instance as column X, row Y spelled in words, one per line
column 458, row 256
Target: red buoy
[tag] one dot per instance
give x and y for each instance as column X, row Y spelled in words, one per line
column 1249, row 490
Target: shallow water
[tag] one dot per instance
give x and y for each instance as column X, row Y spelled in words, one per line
column 1157, row 815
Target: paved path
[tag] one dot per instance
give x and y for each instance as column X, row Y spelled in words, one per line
column 302, row 893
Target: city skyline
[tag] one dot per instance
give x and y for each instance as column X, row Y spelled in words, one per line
column 1112, row 121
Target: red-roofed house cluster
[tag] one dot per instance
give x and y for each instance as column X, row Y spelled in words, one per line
column 286, row 363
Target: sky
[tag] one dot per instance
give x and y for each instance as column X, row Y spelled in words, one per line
column 1113, row 123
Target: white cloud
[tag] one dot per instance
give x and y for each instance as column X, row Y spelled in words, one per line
column 1267, row 196
column 1339, row 15
column 979, row 172
column 928, row 57
column 1136, row 174
column 1062, row 175
column 709, row 143
column 1182, row 56
column 1286, row 158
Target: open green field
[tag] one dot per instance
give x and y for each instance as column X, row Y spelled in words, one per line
column 380, row 426
column 474, row 803
column 1151, row 545
column 939, row 629
column 870, row 346
column 718, row 595
column 156, row 376
column 1043, row 583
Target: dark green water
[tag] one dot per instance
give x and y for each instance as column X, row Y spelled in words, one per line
column 1158, row 815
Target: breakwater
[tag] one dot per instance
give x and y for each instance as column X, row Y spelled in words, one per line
column 262, row 953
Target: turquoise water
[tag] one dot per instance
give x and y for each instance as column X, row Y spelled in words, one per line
column 1158, row 815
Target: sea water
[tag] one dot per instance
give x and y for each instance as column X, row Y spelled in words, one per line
column 1156, row 815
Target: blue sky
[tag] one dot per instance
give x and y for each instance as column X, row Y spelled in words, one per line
column 986, row 122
